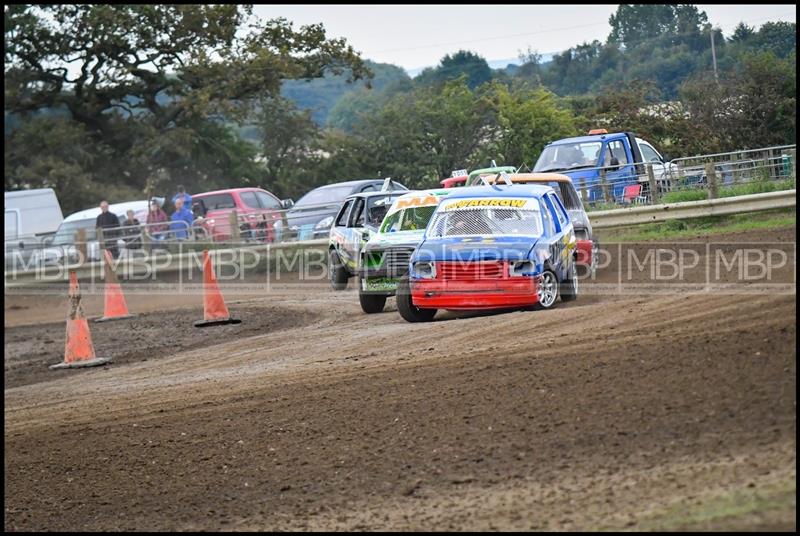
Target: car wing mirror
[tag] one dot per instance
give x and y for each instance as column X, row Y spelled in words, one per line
column 287, row 203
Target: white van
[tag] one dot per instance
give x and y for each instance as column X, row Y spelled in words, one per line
column 64, row 241
column 30, row 213
column 30, row 217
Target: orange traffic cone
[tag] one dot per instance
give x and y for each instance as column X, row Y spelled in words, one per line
column 79, row 350
column 115, row 306
column 214, row 310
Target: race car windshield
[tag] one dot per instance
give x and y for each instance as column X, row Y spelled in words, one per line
column 377, row 207
column 410, row 219
column 482, row 221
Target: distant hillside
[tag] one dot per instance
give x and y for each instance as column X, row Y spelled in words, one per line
column 321, row 94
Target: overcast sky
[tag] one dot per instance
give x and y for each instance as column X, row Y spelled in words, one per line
column 414, row 36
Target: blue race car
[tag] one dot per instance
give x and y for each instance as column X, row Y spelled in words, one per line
column 492, row 247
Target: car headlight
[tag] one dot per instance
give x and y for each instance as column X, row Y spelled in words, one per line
column 424, row 270
column 521, row 268
column 324, row 223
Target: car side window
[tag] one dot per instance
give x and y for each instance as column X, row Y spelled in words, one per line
column 548, row 219
column 341, row 219
column 249, row 199
column 561, row 212
column 369, row 188
column 615, row 154
column 217, row 201
column 649, row 154
column 268, row 201
column 357, row 218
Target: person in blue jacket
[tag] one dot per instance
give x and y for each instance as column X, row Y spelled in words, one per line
column 181, row 214
column 187, row 199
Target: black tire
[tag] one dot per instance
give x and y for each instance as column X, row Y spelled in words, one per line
column 407, row 309
column 547, row 290
column 371, row 303
column 569, row 287
column 337, row 271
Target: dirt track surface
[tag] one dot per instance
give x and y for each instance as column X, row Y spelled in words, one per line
column 635, row 412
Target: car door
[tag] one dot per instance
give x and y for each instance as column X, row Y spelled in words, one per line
column 546, row 244
column 353, row 233
column 568, row 239
column 618, row 162
column 560, row 239
column 651, row 156
column 339, row 228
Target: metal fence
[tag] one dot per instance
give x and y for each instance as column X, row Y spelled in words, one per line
column 690, row 178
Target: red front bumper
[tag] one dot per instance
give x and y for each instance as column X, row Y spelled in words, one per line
column 474, row 294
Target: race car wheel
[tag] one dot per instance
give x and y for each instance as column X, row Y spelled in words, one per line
column 336, row 271
column 406, row 307
column 371, row 303
column 547, row 289
column 569, row 287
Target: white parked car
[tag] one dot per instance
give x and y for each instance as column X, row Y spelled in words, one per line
column 63, row 244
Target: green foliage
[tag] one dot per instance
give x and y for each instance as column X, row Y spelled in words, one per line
column 676, row 229
column 543, row 118
column 321, row 95
column 353, row 106
column 145, row 95
column 756, row 187
column 681, row 196
column 462, row 63
column 423, row 137
column 634, row 23
column 753, row 106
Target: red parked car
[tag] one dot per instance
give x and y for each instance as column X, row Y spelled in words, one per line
column 258, row 211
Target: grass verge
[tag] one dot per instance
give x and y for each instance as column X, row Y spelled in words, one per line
column 769, row 507
column 701, row 226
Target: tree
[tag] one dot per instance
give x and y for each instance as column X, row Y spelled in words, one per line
column 136, row 75
column 54, row 152
column 527, row 120
column 632, row 24
column 742, row 32
column 423, row 136
column 778, row 37
column 531, row 65
column 752, row 107
column 288, row 137
column 463, row 62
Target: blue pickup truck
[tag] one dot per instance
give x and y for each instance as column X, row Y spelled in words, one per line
column 620, row 155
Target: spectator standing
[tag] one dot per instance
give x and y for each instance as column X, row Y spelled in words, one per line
column 156, row 216
column 132, row 233
column 181, row 214
column 187, row 199
column 109, row 222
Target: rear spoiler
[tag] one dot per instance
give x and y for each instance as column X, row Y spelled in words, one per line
column 388, row 185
